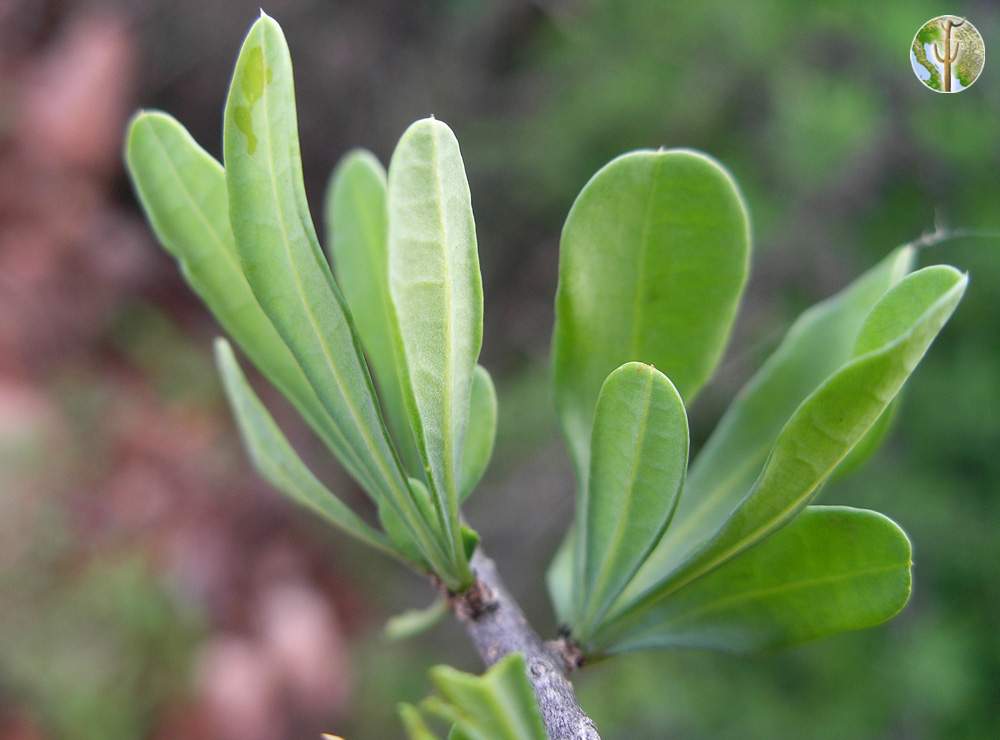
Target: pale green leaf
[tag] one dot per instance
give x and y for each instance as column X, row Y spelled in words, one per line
column 652, row 263
column 639, row 452
column 357, row 221
column 499, row 705
column 289, row 275
column 413, row 723
column 275, row 459
column 831, row 570
column 863, row 451
column 481, row 433
column 437, row 294
column 817, row 344
column 413, row 622
column 825, row 427
column 183, row 192
column 559, row 578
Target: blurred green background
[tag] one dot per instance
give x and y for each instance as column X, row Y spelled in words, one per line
column 151, row 587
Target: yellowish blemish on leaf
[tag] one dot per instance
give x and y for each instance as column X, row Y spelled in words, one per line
column 256, row 74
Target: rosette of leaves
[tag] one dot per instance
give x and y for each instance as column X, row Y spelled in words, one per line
column 728, row 553
column 380, row 357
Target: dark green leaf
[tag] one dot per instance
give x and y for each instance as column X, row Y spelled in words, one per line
column 825, row 427
column 831, row 570
column 817, row 344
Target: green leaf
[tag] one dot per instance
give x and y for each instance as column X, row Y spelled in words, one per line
column 863, row 451
column 559, row 578
column 413, row 722
column 183, row 192
column 652, row 263
column 831, row 570
column 289, row 275
column 481, row 434
column 499, row 705
column 413, row 622
column 639, row 452
column 275, row 459
column 437, row 292
column 357, row 220
column 822, row 431
column 819, row 342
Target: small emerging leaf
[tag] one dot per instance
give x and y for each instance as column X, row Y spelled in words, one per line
column 413, row 723
column 413, row 622
column 652, row 263
column 482, row 431
column 831, row 570
column 638, row 460
column 499, row 705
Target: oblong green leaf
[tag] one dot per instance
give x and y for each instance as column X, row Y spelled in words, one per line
column 639, row 452
column 499, row 705
column 831, row 570
column 289, row 275
column 437, row 294
column 413, row 622
column 275, row 459
column 652, row 263
column 822, row 431
column 481, row 433
column 357, row 220
column 183, row 192
column 819, row 342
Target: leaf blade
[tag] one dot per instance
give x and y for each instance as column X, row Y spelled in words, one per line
column 638, row 461
column 832, row 570
column 481, row 434
column 436, row 290
column 276, row 461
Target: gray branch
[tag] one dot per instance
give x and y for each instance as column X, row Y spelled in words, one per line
column 497, row 627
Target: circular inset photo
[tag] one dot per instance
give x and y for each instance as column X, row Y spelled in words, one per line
column 947, row 54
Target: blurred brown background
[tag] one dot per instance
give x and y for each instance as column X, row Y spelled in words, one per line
column 152, row 587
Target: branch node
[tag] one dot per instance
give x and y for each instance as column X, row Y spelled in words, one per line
column 475, row 602
column 567, row 650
